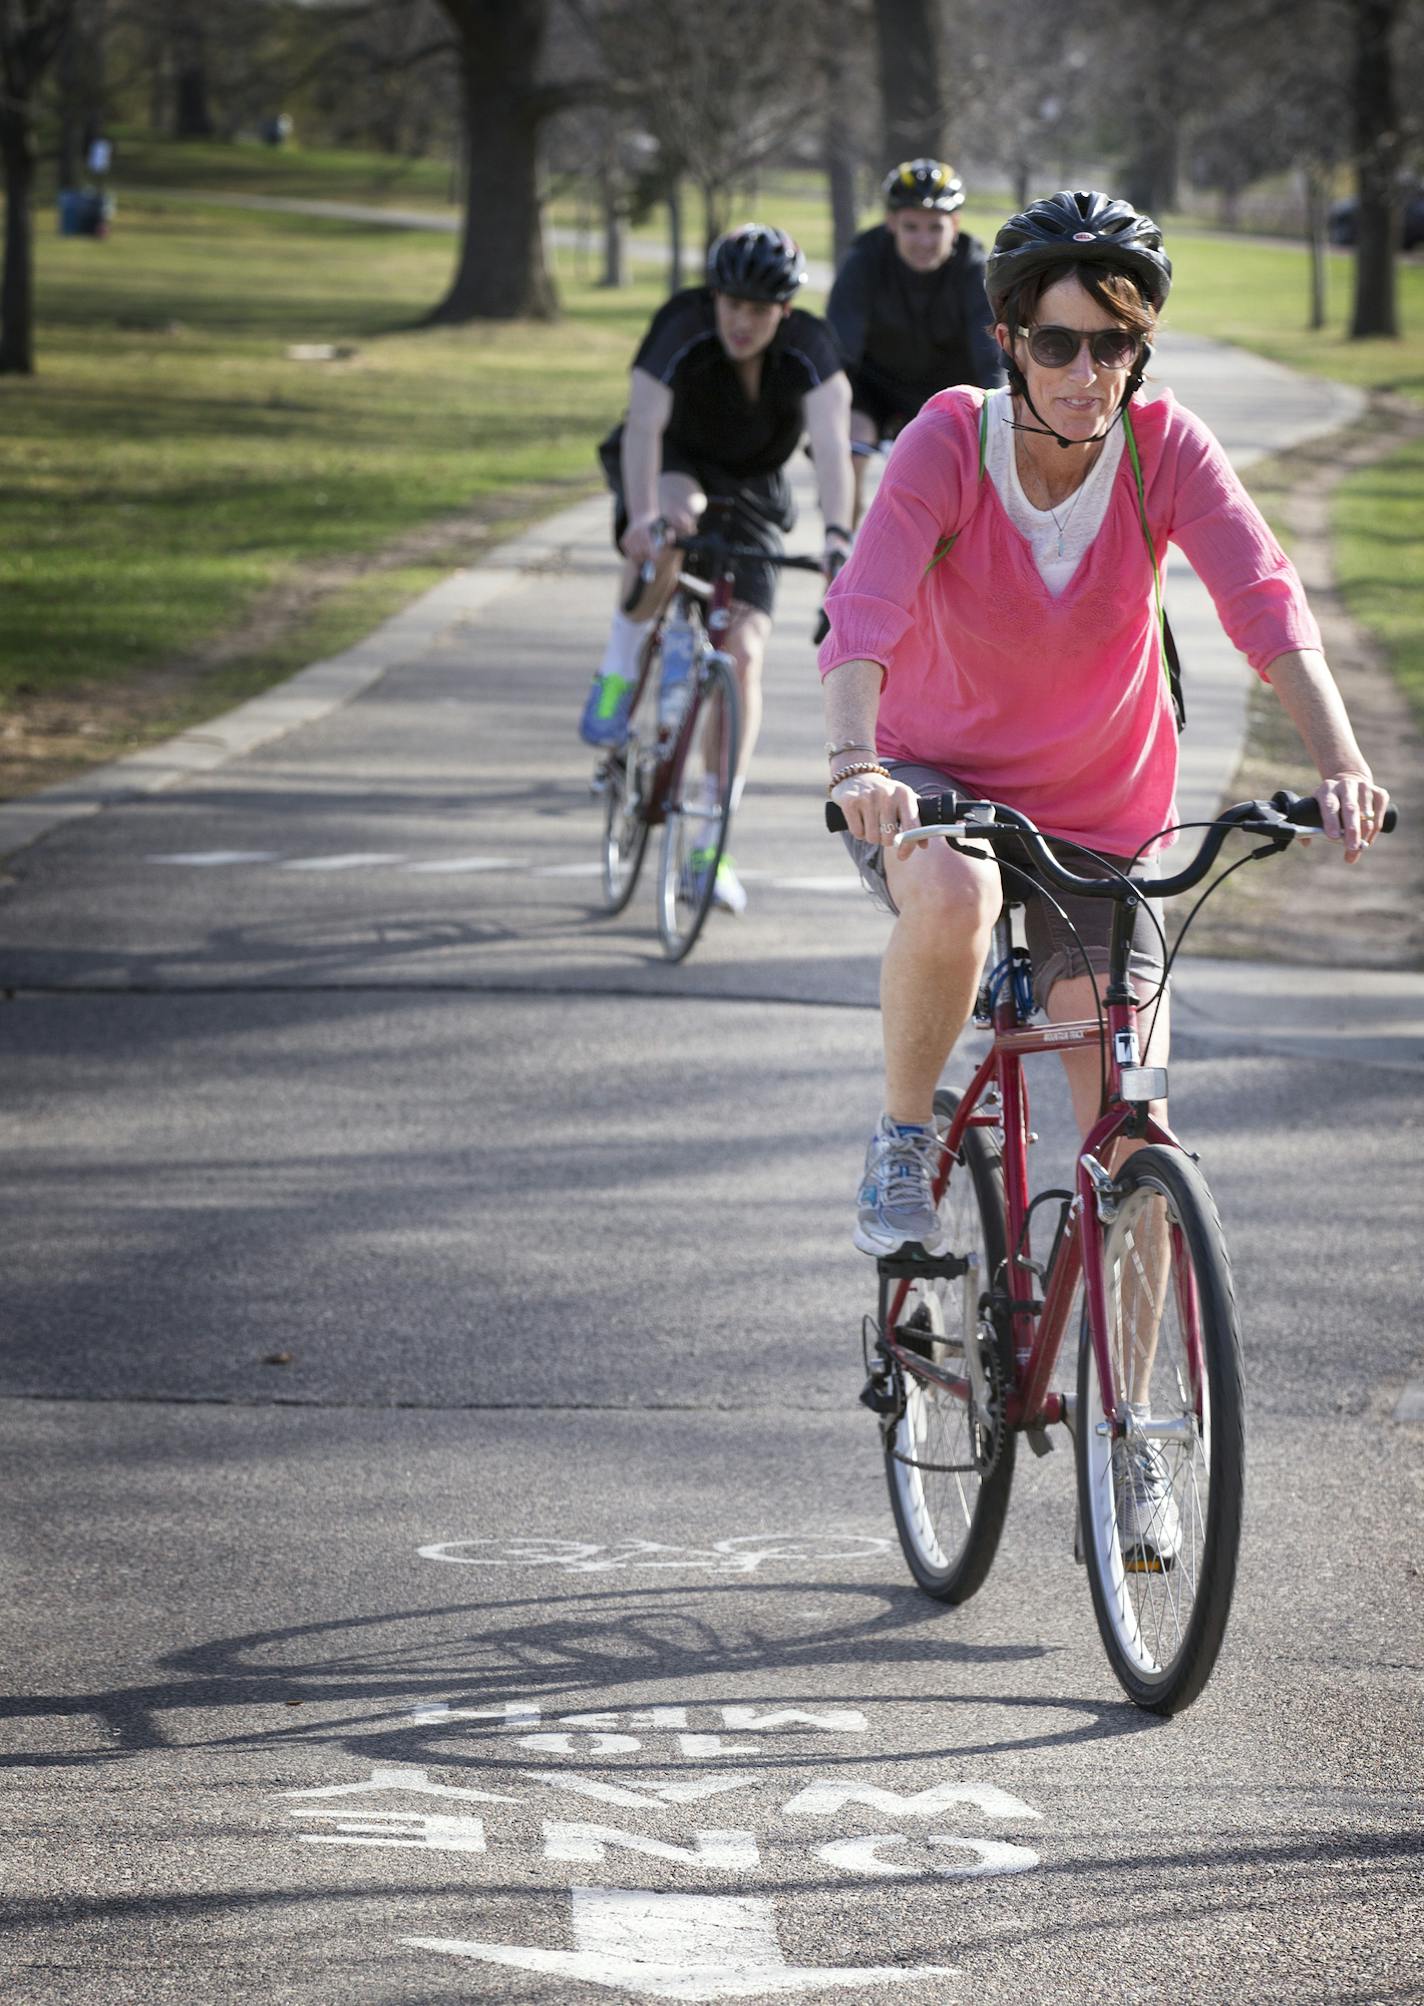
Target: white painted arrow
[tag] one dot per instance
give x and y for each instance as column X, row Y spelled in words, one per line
column 678, row 1947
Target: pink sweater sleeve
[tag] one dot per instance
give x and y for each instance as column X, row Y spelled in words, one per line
column 926, row 491
column 1224, row 537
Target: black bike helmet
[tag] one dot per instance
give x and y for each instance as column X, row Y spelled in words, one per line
column 923, row 184
column 756, row 263
column 1088, row 227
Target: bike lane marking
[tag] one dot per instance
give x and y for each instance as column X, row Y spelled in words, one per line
column 581, row 1811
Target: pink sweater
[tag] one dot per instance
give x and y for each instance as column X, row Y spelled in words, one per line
column 1056, row 706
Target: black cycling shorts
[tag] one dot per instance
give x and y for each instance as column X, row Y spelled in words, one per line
column 763, row 509
column 1060, row 927
column 889, row 410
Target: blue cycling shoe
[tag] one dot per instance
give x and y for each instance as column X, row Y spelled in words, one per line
column 605, row 715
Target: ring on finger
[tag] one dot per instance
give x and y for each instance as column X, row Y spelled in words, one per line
column 889, row 828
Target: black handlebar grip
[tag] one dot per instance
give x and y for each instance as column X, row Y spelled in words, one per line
column 936, row 811
column 1304, row 811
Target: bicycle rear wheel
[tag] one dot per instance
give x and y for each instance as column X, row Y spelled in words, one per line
column 628, row 772
column 950, row 1465
column 698, row 809
column 1160, row 1506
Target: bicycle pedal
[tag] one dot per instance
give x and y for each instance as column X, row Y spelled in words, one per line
column 912, row 1263
column 1146, row 1563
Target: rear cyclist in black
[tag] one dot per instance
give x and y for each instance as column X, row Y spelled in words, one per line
column 909, row 309
column 727, row 379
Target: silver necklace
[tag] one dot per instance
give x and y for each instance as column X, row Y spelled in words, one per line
column 1061, row 524
column 1067, row 514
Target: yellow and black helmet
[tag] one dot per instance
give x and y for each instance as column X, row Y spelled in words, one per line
column 923, row 184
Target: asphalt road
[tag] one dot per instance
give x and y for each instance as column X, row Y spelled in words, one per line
column 446, row 1557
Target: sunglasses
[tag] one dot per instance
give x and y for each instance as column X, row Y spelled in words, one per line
column 1056, row 347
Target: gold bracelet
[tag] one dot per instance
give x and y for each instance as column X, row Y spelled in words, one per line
column 861, row 766
column 850, row 745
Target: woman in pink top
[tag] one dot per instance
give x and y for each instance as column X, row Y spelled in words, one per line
column 997, row 631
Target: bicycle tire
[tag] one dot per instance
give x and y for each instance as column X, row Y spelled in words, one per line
column 949, row 1512
column 691, row 826
column 628, row 772
column 1162, row 1561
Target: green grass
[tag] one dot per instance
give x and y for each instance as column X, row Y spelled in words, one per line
column 1378, row 520
column 1256, row 295
column 144, row 165
column 169, row 462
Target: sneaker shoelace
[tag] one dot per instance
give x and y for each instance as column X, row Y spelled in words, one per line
column 1151, row 1486
column 906, row 1168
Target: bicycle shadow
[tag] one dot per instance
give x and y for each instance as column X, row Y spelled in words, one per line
column 577, row 1652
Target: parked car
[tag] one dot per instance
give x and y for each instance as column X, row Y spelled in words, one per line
column 1342, row 222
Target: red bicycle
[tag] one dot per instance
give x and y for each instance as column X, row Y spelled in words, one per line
column 961, row 1348
column 676, row 766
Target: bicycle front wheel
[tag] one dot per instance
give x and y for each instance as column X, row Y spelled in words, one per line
column 950, row 1463
column 698, row 809
column 625, row 823
column 1160, row 1500
column 626, row 775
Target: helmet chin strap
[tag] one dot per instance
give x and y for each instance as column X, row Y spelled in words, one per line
column 1018, row 387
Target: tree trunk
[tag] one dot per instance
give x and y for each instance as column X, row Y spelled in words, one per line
column 838, row 147
column 911, row 97
column 72, row 114
column 615, row 272
column 674, row 209
column 501, row 273
column 192, row 116
column 1377, row 153
column 17, row 281
column 1315, row 235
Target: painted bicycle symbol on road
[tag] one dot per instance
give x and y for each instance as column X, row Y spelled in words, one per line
column 743, row 1553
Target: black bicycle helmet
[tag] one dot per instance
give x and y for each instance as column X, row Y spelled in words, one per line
column 923, row 184
column 756, row 263
column 1088, row 227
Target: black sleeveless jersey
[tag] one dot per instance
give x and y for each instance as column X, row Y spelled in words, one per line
column 712, row 417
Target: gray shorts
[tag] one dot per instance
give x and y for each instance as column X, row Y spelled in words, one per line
column 1050, row 939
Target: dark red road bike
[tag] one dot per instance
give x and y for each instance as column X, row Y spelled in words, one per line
column 676, row 772
column 961, row 1348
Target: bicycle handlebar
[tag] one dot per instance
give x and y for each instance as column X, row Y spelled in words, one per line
column 1282, row 818
column 716, row 546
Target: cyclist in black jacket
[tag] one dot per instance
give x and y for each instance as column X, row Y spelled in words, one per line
column 909, row 309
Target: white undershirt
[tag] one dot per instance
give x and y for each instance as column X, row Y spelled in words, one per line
column 1070, row 527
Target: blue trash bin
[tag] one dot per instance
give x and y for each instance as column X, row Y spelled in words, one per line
column 81, row 213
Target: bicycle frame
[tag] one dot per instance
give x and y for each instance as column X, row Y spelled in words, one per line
column 711, row 605
column 1038, row 1322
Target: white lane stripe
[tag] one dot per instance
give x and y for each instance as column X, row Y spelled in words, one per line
column 439, row 866
column 1411, row 1402
column 353, row 860
column 207, row 859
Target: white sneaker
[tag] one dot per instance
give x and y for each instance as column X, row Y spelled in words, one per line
column 728, row 891
column 1148, row 1523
